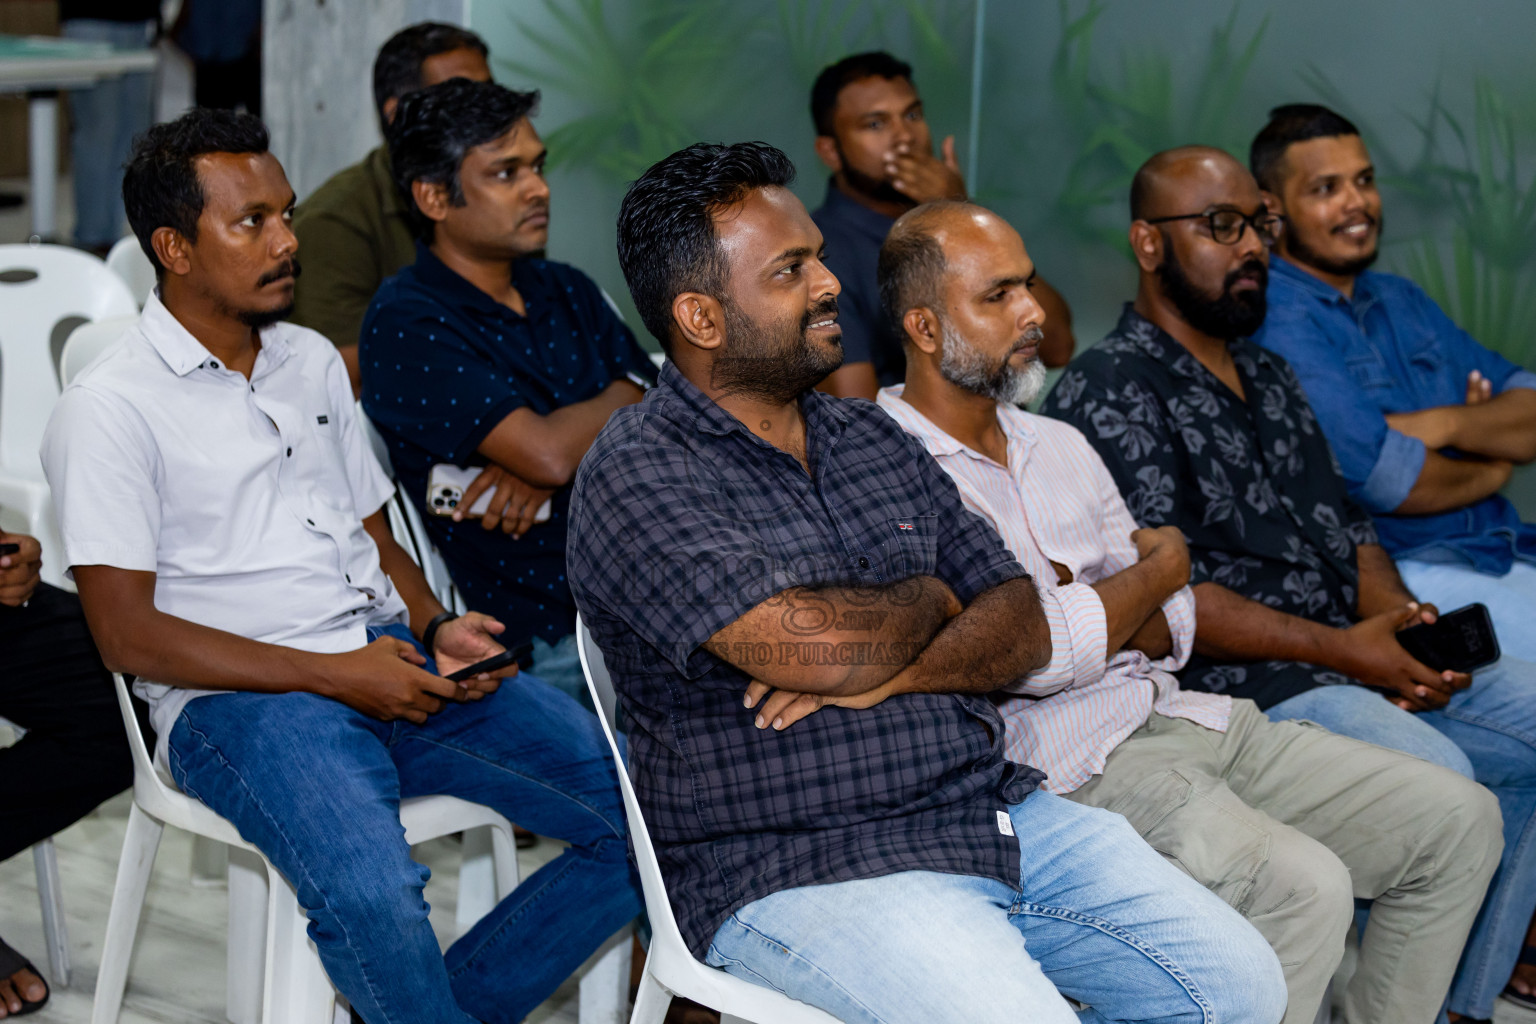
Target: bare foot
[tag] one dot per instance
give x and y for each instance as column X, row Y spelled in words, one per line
column 23, row 985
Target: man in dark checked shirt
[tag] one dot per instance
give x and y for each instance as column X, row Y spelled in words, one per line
column 740, row 539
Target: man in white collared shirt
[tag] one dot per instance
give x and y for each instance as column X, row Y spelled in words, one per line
column 222, row 517
column 1287, row 822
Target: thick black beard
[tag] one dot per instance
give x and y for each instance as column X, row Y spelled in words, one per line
column 1231, row 315
column 871, row 188
column 774, row 362
column 1298, row 251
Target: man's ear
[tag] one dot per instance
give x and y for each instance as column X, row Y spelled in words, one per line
column 826, row 148
column 172, row 250
column 1272, row 202
column 699, row 319
column 1146, row 245
column 921, row 325
column 431, row 199
column 390, row 106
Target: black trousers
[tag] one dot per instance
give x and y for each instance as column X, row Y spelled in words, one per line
column 53, row 684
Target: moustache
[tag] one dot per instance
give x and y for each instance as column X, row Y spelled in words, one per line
column 1253, row 269
column 818, row 312
column 1033, row 335
column 288, row 268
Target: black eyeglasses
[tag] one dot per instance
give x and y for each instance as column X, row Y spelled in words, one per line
column 1227, row 225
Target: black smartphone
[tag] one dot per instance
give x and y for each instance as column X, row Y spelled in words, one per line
column 1462, row 640
column 9, row 549
column 495, row 662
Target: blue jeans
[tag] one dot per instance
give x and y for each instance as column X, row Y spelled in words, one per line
column 1511, row 598
column 1102, row 919
column 1487, row 731
column 560, row 666
column 316, row 786
column 103, row 122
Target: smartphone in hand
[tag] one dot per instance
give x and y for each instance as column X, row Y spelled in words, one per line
column 494, row 663
column 1462, row 640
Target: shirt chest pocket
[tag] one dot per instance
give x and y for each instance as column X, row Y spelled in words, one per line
column 324, row 465
column 1369, row 369
column 911, row 546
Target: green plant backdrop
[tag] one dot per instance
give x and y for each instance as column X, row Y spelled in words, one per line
column 1074, row 95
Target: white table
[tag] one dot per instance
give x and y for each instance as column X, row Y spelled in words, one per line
column 40, row 66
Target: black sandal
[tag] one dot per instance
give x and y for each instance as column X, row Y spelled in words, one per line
column 13, row 963
column 1527, row 956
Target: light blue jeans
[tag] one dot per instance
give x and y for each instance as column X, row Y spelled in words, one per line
column 1102, row 919
column 1488, row 732
column 1511, row 598
column 103, row 122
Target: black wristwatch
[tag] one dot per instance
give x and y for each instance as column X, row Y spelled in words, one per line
column 429, row 635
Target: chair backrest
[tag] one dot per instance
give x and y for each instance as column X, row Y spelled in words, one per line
column 153, row 789
column 45, row 292
column 671, row 962
column 88, row 341
column 127, row 260
column 406, row 525
column 663, row 924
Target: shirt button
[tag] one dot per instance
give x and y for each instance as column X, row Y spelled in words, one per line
column 290, row 453
column 349, row 579
column 311, row 522
column 863, row 563
column 213, row 363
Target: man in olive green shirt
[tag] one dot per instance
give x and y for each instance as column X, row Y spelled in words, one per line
column 353, row 231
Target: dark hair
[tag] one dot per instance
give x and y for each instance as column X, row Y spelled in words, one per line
column 667, row 239
column 397, row 68
column 160, row 184
column 912, row 262
column 435, row 127
column 1290, row 124
column 836, row 77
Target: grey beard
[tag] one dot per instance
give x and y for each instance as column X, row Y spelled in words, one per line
column 965, row 367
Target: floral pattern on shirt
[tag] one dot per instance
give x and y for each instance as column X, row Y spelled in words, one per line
column 1252, row 484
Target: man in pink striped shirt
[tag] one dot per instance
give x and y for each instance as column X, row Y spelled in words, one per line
column 1287, row 822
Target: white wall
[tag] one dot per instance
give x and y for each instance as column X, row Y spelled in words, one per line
column 317, row 77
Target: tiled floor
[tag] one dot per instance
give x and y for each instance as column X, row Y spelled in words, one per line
column 177, row 976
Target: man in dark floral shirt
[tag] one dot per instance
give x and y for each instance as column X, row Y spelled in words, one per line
column 1296, row 602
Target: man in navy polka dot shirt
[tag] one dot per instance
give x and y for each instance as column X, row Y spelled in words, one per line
column 480, row 354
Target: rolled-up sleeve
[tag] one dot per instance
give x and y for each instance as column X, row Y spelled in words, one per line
column 1399, row 461
column 1179, row 610
column 1079, row 641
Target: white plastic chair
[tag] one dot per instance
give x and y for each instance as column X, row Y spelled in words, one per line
column 127, row 260
column 267, row 925
column 408, row 529
column 44, row 290
column 50, row 894
column 670, row 969
column 88, row 341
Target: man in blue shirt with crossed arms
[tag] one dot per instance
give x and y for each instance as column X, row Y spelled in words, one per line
column 1426, row 422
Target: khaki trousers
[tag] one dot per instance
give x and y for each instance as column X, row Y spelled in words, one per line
column 1290, row 823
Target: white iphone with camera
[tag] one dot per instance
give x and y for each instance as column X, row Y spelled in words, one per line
column 446, row 484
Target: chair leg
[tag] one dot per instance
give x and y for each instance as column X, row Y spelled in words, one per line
column 504, row 853
column 45, row 857
column 133, row 871
column 209, row 858
column 477, row 878
column 604, row 988
column 651, row 1002
column 295, row 989
column 246, row 954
